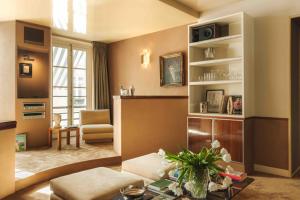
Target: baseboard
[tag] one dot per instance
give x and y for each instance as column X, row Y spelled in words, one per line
column 296, row 171
column 272, row 170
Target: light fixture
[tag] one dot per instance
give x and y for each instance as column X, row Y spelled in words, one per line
column 145, row 58
column 27, row 57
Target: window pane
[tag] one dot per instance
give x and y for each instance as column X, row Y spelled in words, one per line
column 60, row 110
column 76, row 115
column 60, row 92
column 60, row 56
column 76, row 122
column 60, row 14
column 60, row 77
column 79, row 59
column 79, row 92
column 79, row 109
column 79, row 78
column 79, row 101
column 60, row 101
column 79, row 16
column 63, row 116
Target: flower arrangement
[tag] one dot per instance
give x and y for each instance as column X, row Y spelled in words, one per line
column 198, row 170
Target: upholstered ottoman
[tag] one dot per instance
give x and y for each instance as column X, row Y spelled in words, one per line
column 150, row 166
column 99, row 183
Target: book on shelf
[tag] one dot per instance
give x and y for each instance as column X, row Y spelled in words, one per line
column 235, row 175
column 160, row 185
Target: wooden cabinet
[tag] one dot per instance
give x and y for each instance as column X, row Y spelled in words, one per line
column 229, row 132
column 230, row 135
column 199, row 133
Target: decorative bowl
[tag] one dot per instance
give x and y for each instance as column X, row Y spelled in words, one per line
column 132, row 192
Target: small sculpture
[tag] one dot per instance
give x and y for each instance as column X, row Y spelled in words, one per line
column 57, row 120
column 132, row 90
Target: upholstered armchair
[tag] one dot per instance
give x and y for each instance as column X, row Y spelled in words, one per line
column 95, row 126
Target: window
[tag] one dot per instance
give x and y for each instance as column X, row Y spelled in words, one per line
column 69, row 82
column 61, row 15
column 79, row 16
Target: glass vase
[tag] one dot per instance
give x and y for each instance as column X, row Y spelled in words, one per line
column 199, row 184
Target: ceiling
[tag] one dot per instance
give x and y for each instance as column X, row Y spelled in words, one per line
column 111, row 20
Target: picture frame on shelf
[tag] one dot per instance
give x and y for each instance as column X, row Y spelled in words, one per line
column 214, row 99
column 237, row 104
column 172, row 70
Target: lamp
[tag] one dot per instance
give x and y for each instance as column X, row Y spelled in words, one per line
column 145, row 58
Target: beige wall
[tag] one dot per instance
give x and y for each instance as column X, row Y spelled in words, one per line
column 7, row 71
column 142, row 126
column 125, row 61
column 7, row 162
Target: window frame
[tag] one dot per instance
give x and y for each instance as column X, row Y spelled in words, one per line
column 71, row 44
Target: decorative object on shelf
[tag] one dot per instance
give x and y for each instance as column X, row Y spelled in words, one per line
column 214, row 98
column 21, row 142
column 57, row 120
column 145, row 58
column 131, row 90
column 229, row 106
column 237, row 104
column 25, row 70
column 209, row 53
column 223, row 104
column 199, row 171
column 171, row 70
column 124, row 91
column 203, row 107
column 209, row 31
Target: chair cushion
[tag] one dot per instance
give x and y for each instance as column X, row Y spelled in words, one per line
column 97, row 128
column 99, row 183
column 148, row 166
column 95, row 117
column 97, row 136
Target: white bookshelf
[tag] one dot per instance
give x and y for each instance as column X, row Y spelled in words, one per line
column 233, row 55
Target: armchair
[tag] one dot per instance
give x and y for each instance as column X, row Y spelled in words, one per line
column 95, row 126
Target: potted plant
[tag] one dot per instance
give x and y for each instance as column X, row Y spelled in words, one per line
column 197, row 170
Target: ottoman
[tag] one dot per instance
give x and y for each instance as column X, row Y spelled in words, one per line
column 150, row 166
column 99, row 183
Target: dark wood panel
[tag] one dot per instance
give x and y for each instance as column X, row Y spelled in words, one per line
column 230, row 135
column 271, row 142
column 4, row 125
column 199, row 133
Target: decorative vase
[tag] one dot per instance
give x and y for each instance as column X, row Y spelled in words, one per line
column 199, row 184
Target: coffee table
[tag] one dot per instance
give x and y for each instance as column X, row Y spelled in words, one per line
column 236, row 188
column 60, row 131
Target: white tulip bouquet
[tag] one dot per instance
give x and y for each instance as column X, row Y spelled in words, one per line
column 196, row 170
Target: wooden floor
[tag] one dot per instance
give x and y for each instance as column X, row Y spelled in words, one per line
column 264, row 187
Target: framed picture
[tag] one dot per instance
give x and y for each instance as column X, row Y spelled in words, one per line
column 25, row 70
column 21, row 142
column 171, row 70
column 214, row 99
column 237, row 105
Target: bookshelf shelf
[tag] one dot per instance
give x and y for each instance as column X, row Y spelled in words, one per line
column 215, row 82
column 208, row 63
column 217, row 42
column 217, row 115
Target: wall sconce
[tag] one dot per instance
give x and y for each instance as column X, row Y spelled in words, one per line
column 145, row 58
column 27, row 57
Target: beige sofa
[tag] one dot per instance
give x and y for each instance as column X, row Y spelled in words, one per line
column 95, row 126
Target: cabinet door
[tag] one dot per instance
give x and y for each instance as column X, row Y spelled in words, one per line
column 199, row 133
column 230, row 135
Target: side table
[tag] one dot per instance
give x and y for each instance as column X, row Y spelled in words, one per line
column 60, row 131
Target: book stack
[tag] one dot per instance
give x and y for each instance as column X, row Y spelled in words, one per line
column 235, row 175
column 160, row 187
